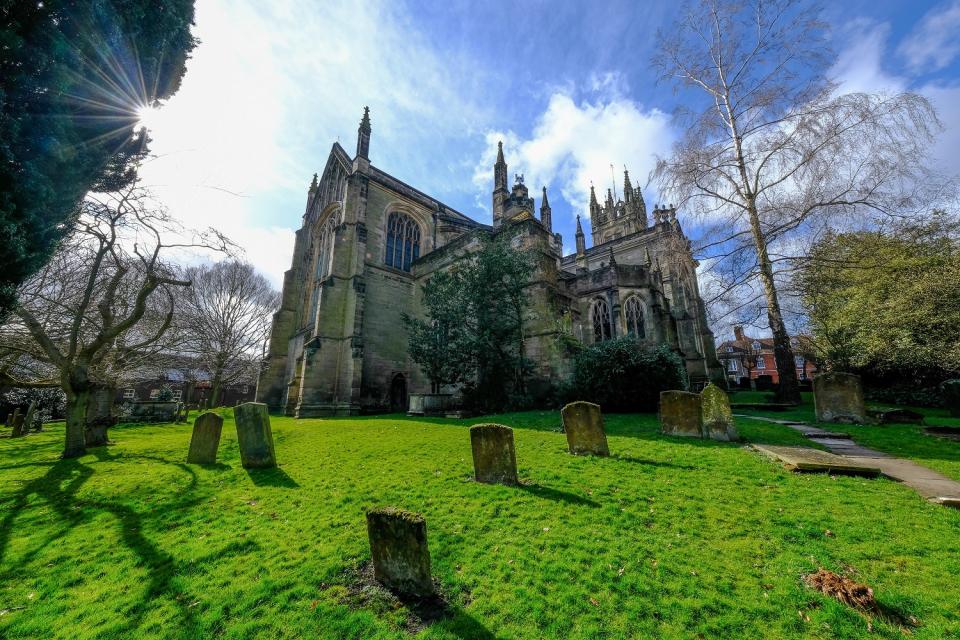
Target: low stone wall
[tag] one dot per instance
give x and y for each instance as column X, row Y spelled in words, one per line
column 149, row 411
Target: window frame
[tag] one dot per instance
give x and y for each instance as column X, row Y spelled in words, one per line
column 602, row 322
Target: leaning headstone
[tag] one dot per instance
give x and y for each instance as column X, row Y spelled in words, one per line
column 494, row 458
column 398, row 547
column 951, row 397
column 716, row 417
column 838, row 397
column 17, row 423
column 583, row 424
column 254, row 436
column 30, row 417
column 680, row 414
column 206, row 439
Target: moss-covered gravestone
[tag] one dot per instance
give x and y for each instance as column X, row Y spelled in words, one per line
column 680, row 414
column 838, row 397
column 716, row 417
column 398, row 548
column 583, row 424
column 254, row 436
column 206, row 439
column 494, row 458
column 951, row 397
column 17, row 424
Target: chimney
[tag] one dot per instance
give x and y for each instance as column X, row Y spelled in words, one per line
column 738, row 332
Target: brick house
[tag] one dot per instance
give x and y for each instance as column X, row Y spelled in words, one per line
column 748, row 358
column 192, row 391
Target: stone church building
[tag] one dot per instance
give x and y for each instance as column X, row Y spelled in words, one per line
column 369, row 241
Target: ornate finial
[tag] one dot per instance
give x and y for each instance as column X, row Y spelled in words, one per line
column 613, row 260
column 313, row 183
column 500, row 159
column 647, row 256
column 518, row 177
column 545, row 202
column 365, row 122
column 579, row 228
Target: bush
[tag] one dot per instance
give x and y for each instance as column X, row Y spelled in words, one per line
column 621, row 375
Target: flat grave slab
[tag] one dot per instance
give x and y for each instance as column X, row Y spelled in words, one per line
column 806, row 459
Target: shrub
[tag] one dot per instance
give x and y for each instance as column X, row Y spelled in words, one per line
column 621, row 375
column 165, row 394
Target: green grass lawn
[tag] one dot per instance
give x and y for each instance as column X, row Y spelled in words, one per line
column 669, row 538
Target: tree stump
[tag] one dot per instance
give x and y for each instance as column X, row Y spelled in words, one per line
column 680, row 414
column 398, row 547
column 583, row 424
column 205, row 439
column 254, row 436
column 494, row 458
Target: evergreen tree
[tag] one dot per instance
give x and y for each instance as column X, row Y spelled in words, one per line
column 72, row 77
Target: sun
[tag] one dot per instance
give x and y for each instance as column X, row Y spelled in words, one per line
column 148, row 117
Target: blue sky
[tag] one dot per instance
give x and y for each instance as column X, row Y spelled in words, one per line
column 567, row 86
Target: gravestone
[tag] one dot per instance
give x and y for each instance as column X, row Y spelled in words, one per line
column 29, row 418
column 254, row 436
column 398, row 548
column 17, row 424
column 206, row 439
column 494, row 458
column 583, row 424
column 838, row 397
column 951, row 397
column 680, row 414
column 716, row 417
column 8, row 420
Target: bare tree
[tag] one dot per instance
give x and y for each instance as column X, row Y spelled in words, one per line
column 226, row 317
column 774, row 154
column 101, row 305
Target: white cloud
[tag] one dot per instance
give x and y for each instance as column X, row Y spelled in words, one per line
column 935, row 41
column 859, row 66
column 267, row 91
column 575, row 143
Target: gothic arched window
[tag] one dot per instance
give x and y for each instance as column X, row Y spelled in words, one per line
column 328, row 234
column 403, row 241
column 635, row 324
column 601, row 321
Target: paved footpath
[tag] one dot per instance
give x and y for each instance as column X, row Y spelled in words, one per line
column 933, row 486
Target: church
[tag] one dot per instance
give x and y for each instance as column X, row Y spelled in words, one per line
column 369, row 241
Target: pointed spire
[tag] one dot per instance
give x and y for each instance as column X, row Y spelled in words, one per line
column 313, row 184
column 500, row 152
column 609, row 203
column 545, row 212
column 627, row 189
column 500, row 169
column 581, row 241
column 363, row 135
column 593, row 196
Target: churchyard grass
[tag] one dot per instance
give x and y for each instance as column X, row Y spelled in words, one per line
column 667, row 538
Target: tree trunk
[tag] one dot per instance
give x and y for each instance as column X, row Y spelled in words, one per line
column 77, row 402
column 789, row 389
column 99, row 416
column 215, row 392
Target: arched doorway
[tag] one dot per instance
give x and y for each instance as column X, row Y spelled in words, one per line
column 398, row 393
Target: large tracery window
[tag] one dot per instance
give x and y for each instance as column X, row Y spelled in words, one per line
column 328, row 234
column 635, row 325
column 601, row 321
column 403, row 241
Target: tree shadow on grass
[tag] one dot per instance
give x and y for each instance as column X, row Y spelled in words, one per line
column 275, row 477
column 58, row 488
column 557, row 494
column 653, row 463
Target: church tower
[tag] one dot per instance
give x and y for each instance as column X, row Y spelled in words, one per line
column 499, row 186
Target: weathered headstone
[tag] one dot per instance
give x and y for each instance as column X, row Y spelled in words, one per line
column 838, row 397
column 205, row 439
column 716, row 417
column 8, row 420
column 583, row 424
column 398, row 547
column 30, row 417
column 680, row 414
column 254, row 436
column 951, row 397
column 494, row 458
column 17, row 424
